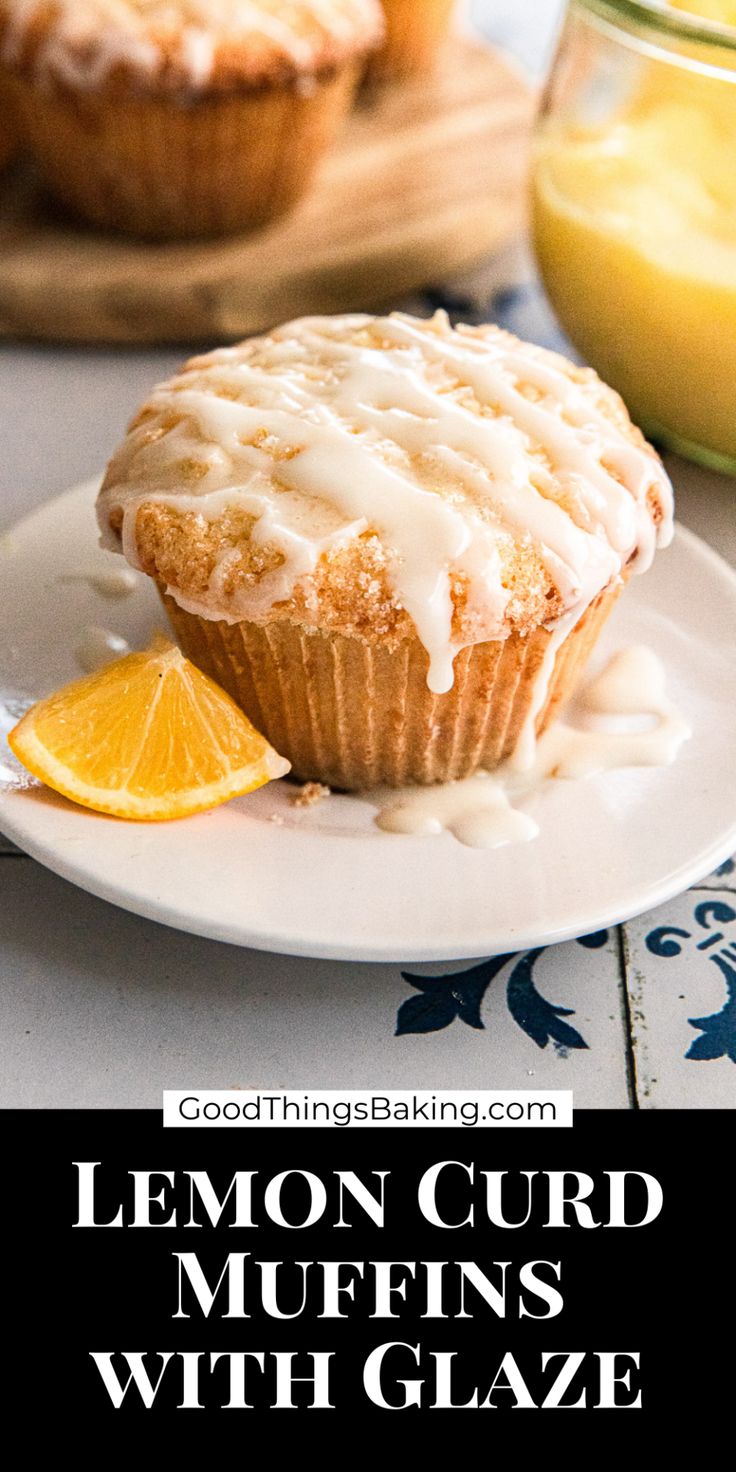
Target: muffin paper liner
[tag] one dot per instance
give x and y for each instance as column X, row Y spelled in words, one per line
column 166, row 169
column 355, row 715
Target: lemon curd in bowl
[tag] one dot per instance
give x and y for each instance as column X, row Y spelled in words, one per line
column 635, row 210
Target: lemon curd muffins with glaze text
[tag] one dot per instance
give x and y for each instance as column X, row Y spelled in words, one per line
column 394, row 542
column 175, row 118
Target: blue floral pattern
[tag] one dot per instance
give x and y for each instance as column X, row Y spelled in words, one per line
column 441, row 1000
column 718, row 1032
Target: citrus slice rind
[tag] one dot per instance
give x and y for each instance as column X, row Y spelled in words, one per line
column 149, row 738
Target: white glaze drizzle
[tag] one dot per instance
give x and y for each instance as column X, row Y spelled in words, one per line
column 632, row 685
column 84, row 41
column 523, row 757
column 119, row 582
column 97, row 647
column 480, row 810
column 424, row 433
column 477, row 811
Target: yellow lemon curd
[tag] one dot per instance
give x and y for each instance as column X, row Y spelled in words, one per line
column 635, row 230
column 724, row 11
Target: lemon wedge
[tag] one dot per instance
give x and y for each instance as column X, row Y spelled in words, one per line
column 148, row 737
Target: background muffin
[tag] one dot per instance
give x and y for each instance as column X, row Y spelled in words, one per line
column 415, row 30
column 394, row 542
column 170, row 118
column 8, row 127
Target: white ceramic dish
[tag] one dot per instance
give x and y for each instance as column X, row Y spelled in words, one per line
column 324, row 881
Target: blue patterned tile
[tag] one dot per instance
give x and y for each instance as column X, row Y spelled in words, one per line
column 681, row 977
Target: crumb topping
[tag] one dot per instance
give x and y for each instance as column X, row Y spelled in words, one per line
column 195, row 45
column 309, row 795
column 381, row 476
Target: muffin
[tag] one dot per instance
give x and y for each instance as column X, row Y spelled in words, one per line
column 394, row 542
column 415, row 30
column 175, row 118
column 8, row 127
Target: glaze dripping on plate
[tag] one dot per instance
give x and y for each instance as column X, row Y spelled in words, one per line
column 119, row 582
column 623, row 718
column 97, row 647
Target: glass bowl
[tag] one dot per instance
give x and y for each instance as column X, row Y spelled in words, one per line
column 634, row 213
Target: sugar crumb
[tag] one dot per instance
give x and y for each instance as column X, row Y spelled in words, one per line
column 309, row 794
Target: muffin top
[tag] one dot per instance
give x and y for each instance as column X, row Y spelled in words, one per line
column 191, row 45
column 383, row 477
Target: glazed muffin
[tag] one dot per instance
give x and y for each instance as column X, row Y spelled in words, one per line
column 174, row 118
column 415, row 30
column 394, row 542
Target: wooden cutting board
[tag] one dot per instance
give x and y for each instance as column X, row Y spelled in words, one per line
column 428, row 178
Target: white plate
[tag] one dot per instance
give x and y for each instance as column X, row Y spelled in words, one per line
column 324, row 881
